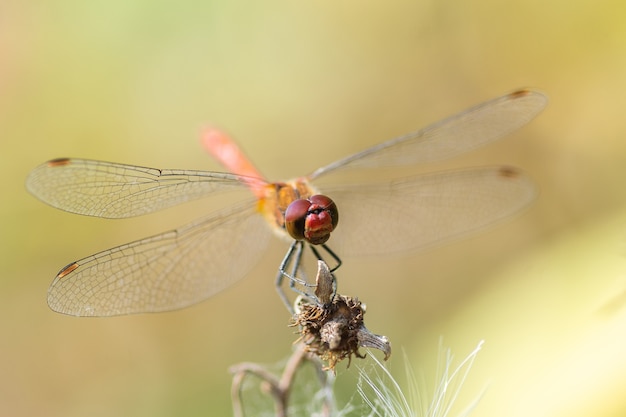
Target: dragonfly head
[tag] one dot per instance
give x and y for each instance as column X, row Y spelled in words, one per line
column 312, row 219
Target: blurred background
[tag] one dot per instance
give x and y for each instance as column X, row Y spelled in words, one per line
column 300, row 84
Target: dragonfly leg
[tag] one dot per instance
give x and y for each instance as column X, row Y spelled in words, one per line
column 292, row 259
column 281, row 273
column 337, row 261
column 332, row 255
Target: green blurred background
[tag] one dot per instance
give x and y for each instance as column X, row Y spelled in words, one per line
column 300, row 84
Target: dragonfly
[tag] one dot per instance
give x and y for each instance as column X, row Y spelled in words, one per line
column 181, row 267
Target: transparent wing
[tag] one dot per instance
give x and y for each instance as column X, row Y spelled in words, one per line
column 164, row 272
column 110, row 190
column 453, row 136
column 417, row 212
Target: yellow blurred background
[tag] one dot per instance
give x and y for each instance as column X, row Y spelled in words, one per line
column 300, row 84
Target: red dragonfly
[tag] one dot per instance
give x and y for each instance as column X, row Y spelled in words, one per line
column 181, row 267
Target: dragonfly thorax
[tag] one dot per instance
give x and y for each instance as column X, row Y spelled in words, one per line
column 297, row 211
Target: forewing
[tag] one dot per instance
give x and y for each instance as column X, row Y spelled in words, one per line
column 164, row 272
column 414, row 213
column 450, row 137
column 110, row 190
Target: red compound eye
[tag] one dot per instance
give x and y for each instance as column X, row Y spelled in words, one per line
column 295, row 216
column 312, row 220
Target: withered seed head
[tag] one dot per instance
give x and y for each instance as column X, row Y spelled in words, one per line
column 333, row 329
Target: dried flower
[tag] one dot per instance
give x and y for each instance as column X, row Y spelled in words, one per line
column 331, row 325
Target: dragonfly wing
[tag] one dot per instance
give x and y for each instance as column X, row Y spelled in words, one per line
column 417, row 212
column 110, row 190
column 164, row 272
column 450, row 137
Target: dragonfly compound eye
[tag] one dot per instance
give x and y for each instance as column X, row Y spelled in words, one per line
column 312, row 220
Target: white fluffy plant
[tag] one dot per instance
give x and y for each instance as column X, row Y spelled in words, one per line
column 384, row 397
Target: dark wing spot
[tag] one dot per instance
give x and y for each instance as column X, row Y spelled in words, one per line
column 67, row 270
column 508, row 172
column 59, row 162
column 520, row 93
